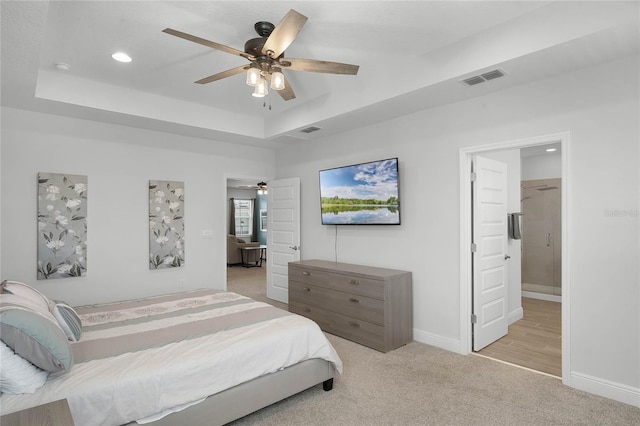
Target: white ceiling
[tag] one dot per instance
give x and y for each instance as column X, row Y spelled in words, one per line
column 411, row 54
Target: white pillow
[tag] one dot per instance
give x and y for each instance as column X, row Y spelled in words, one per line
column 25, row 291
column 18, row 375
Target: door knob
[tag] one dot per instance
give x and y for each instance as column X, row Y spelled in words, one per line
column 294, row 247
column 507, row 257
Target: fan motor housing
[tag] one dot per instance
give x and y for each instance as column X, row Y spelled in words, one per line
column 254, row 46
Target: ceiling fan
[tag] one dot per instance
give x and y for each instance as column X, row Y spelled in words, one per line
column 266, row 56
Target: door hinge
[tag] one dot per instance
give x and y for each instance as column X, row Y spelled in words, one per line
column 474, row 247
column 474, row 319
column 473, row 176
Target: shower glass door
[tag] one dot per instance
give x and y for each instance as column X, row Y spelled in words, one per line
column 541, row 244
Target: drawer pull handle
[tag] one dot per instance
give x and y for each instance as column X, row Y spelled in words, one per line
column 354, row 324
column 307, row 289
column 307, row 310
column 354, row 282
column 306, row 273
column 354, row 300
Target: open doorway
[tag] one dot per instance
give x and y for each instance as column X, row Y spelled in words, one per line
column 467, row 301
column 534, row 337
column 246, row 229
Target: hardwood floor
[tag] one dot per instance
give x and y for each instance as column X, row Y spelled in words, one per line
column 535, row 341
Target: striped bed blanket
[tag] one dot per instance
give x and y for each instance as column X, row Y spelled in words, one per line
column 139, row 358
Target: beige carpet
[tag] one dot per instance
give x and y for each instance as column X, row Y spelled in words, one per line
column 422, row 385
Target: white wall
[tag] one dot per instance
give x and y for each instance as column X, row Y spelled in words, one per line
column 119, row 161
column 1, row 199
column 604, row 250
column 241, row 193
column 546, row 166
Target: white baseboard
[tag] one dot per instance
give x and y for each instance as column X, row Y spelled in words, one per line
column 515, row 315
column 431, row 339
column 616, row 391
column 542, row 296
column 597, row 386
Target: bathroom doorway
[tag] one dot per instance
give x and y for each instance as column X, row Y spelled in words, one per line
column 534, row 341
column 529, row 304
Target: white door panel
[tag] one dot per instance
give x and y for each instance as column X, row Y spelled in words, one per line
column 490, row 238
column 283, row 235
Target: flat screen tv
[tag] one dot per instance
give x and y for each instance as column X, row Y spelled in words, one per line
column 361, row 194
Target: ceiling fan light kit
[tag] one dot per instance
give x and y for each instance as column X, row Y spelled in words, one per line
column 266, row 54
column 262, row 188
column 261, row 88
column 253, row 76
column 277, row 80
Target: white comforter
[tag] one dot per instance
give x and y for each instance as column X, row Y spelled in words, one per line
column 130, row 386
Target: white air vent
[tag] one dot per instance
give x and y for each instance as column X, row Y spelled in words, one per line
column 492, row 74
column 481, row 78
column 472, row 81
column 310, row 129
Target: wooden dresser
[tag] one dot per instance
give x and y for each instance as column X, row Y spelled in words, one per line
column 368, row 305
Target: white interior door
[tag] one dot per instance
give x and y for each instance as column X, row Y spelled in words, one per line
column 489, row 192
column 283, row 235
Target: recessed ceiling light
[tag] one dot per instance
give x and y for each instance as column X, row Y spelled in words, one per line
column 121, row 57
column 550, row 149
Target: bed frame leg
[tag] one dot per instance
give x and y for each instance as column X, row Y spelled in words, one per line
column 327, row 385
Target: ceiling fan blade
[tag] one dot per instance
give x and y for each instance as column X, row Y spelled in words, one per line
column 223, row 74
column 320, row 66
column 284, row 33
column 208, row 43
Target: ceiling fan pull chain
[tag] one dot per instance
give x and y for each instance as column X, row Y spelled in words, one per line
column 264, row 103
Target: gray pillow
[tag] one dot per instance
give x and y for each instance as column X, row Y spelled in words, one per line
column 34, row 334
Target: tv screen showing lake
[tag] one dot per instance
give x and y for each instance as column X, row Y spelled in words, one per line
column 365, row 216
column 361, row 194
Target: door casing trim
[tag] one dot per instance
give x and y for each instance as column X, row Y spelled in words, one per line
column 465, row 156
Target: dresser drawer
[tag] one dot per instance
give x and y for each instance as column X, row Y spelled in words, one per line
column 343, row 282
column 352, row 305
column 363, row 332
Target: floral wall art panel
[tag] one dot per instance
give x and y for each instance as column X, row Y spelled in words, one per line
column 62, row 225
column 166, row 224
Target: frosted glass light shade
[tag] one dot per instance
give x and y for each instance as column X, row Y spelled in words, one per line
column 253, row 76
column 277, row 80
column 261, row 88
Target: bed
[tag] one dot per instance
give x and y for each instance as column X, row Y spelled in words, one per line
column 216, row 355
